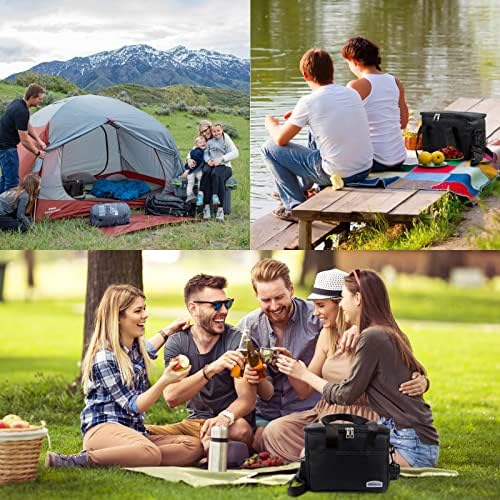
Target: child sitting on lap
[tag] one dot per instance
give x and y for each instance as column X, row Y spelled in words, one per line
column 195, row 173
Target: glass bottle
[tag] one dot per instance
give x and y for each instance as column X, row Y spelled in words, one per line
column 237, row 371
column 254, row 360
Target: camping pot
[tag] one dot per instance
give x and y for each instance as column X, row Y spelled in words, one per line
column 217, row 454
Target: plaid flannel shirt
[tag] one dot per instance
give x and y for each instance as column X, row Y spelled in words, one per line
column 109, row 399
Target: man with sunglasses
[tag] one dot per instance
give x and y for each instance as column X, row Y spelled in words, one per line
column 213, row 397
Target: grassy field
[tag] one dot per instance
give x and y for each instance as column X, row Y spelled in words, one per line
column 454, row 333
column 78, row 234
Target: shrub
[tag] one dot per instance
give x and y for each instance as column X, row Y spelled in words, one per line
column 163, row 110
column 230, row 130
column 48, row 82
column 198, row 111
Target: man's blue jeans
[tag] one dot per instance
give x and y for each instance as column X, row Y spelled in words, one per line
column 296, row 168
column 9, row 164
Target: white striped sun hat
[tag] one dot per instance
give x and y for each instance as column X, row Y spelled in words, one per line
column 328, row 285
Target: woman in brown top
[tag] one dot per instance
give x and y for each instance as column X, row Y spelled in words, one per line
column 285, row 436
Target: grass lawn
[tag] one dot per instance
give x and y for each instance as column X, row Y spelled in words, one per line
column 38, row 361
column 78, row 234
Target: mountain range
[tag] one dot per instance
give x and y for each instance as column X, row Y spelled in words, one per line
column 146, row 65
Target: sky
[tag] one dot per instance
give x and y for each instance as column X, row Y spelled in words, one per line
column 35, row 32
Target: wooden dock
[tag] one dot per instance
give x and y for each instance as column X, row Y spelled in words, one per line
column 331, row 212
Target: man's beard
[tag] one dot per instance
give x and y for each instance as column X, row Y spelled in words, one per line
column 283, row 316
column 206, row 324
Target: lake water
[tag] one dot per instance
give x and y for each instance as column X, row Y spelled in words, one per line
column 440, row 50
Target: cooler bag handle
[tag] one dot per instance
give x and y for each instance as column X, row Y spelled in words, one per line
column 302, row 486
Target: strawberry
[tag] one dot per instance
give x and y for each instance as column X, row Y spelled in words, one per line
column 264, row 455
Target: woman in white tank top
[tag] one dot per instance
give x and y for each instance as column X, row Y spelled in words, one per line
column 384, row 101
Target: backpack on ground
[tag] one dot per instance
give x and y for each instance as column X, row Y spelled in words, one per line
column 167, row 204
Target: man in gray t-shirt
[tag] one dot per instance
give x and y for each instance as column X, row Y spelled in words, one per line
column 213, row 397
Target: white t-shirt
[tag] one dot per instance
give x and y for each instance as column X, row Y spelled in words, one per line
column 384, row 119
column 339, row 124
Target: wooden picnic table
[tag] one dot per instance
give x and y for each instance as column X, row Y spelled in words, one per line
column 331, row 212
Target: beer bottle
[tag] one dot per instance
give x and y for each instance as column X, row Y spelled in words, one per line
column 237, row 371
column 254, row 360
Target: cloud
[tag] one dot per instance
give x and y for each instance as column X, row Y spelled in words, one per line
column 11, row 50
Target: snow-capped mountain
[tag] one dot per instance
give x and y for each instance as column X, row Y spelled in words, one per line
column 148, row 66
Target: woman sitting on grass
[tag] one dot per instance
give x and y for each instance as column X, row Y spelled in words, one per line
column 115, row 381
column 17, row 205
column 384, row 101
column 285, row 436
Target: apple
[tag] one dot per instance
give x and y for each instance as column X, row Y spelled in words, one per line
column 180, row 363
column 10, row 419
column 4, row 425
column 424, row 157
column 437, row 157
column 20, row 424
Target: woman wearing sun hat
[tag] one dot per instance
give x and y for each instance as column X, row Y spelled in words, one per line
column 285, row 436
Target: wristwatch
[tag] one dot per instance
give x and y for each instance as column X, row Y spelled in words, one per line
column 229, row 415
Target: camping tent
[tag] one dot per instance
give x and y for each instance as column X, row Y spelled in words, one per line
column 92, row 137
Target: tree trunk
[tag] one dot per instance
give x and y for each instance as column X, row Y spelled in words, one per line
column 104, row 268
column 29, row 258
column 315, row 261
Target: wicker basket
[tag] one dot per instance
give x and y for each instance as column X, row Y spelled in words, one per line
column 19, row 453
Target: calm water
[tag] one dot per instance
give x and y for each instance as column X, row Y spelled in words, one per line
column 440, row 50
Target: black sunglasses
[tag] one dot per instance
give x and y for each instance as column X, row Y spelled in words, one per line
column 205, row 130
column 217, row 304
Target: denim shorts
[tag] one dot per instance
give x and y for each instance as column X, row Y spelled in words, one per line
column 410, row 447
column 261, row 421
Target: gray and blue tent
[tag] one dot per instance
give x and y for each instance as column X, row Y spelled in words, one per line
column 93, row 137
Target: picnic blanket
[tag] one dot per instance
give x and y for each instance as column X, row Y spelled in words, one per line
column 270, row 476
column 461, row 179
column 374, row 182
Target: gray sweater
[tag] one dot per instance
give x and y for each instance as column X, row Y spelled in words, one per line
column 378, row 371
column 224, row 147
column 15, row 209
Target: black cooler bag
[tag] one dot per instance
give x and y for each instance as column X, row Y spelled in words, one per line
column 167, row 204
column 463, row 130
column 351, row 456
column 109, row 214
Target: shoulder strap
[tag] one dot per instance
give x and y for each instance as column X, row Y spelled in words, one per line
column 302, row 486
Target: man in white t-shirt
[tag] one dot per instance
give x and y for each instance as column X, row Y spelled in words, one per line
column 338, row 121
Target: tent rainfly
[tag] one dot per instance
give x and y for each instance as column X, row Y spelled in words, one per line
column 92, row 137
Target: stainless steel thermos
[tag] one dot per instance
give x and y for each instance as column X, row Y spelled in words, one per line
column 217, row 454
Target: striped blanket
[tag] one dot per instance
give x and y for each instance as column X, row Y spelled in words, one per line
column 459, row 178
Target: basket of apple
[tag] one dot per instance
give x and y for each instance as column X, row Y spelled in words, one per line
column 20, row 446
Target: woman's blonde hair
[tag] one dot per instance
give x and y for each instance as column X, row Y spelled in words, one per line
column 335, row 332
column 114, row 302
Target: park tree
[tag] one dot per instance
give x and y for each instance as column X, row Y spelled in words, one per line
column 104, row 268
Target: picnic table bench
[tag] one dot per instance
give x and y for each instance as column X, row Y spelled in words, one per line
column 330, row 212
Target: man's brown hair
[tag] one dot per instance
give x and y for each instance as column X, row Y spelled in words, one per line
column 33, row 90
column 318, row 65
column 200, row 281
column 270, row 270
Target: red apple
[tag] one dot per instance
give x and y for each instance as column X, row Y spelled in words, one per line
column 20, row 424
column 180, row 363
column 4, row 425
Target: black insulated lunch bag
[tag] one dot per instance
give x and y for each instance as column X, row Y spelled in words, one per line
column 345, row 453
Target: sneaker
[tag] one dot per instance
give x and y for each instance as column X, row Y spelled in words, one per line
column 199, row 199
column 59, row 460
column 215, row 200
column 220, row 215
column 206, row 212
column 284, row 214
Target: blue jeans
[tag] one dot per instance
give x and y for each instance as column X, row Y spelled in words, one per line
column 261, row 421
column 9, row 164
column 296, row 168
column 410, row 447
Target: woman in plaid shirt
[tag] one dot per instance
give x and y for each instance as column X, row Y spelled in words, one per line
column 115, row 381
